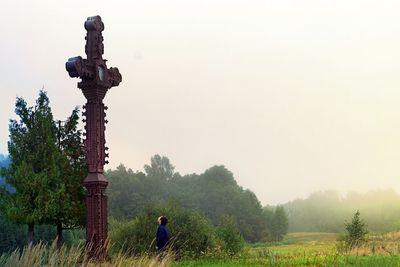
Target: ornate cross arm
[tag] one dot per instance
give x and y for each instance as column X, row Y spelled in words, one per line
column 114, row 77
column 78, row 67
column 93, row 70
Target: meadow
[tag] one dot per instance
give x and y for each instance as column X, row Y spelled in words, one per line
column 312, row 249
column 297, row 249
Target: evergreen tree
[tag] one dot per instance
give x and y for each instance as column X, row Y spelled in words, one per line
column 356, row 232
column 43, row 170
column 33, row 153
column 69, row 212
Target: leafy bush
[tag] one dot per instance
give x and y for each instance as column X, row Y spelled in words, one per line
column 229, row 237
column 191, row 234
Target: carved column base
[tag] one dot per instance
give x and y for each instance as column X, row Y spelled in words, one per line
column 96, row 218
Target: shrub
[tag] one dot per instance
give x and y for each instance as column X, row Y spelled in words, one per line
column 129, row 237
column 191, row 234
column 229, row 237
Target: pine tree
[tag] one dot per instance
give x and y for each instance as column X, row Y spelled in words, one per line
column 357, row 232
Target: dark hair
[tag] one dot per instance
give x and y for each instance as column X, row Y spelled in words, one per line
column 163, row 220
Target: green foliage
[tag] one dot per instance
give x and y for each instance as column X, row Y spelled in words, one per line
column 356, row 232
column 268, row 214
column 160, row 168
column 70, row 212
column 127, row 193
column 33, row 171
column 191, row 234
column 229, row 237
column 45, row 170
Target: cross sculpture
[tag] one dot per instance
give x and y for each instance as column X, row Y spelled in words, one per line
column 96, row 79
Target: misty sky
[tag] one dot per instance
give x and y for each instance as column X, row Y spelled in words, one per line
column 291, row 96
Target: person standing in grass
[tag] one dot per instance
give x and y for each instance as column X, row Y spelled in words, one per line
column 162, row 237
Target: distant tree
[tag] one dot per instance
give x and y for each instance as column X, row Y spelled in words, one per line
column 356, row 232
column 320, row 212
column 216, row 194
column 279, row 224
column 160, row 168
column 268, row 215
column 127, row 192
column 326, row 211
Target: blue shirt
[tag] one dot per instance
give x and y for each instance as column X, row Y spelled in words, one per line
column 162, row 236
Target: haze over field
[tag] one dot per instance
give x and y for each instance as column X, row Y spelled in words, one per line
column 291, row 96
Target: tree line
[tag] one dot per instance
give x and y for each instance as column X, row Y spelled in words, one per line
column 213, row 193
column 326, row 211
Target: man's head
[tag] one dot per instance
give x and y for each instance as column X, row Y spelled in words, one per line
column 162, row 220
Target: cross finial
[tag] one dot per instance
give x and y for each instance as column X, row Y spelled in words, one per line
column 94, row 48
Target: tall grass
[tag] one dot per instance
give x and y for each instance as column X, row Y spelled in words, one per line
column 41, row 255
column 378, row 245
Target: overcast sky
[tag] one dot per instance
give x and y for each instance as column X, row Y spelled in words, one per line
column 291, row 96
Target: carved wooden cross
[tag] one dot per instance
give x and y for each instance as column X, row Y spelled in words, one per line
column 96, row 79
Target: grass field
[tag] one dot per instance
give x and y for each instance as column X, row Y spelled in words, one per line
column 297, row 249
column 312, row 249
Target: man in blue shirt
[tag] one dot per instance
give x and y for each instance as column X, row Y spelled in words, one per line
column 162, row 237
